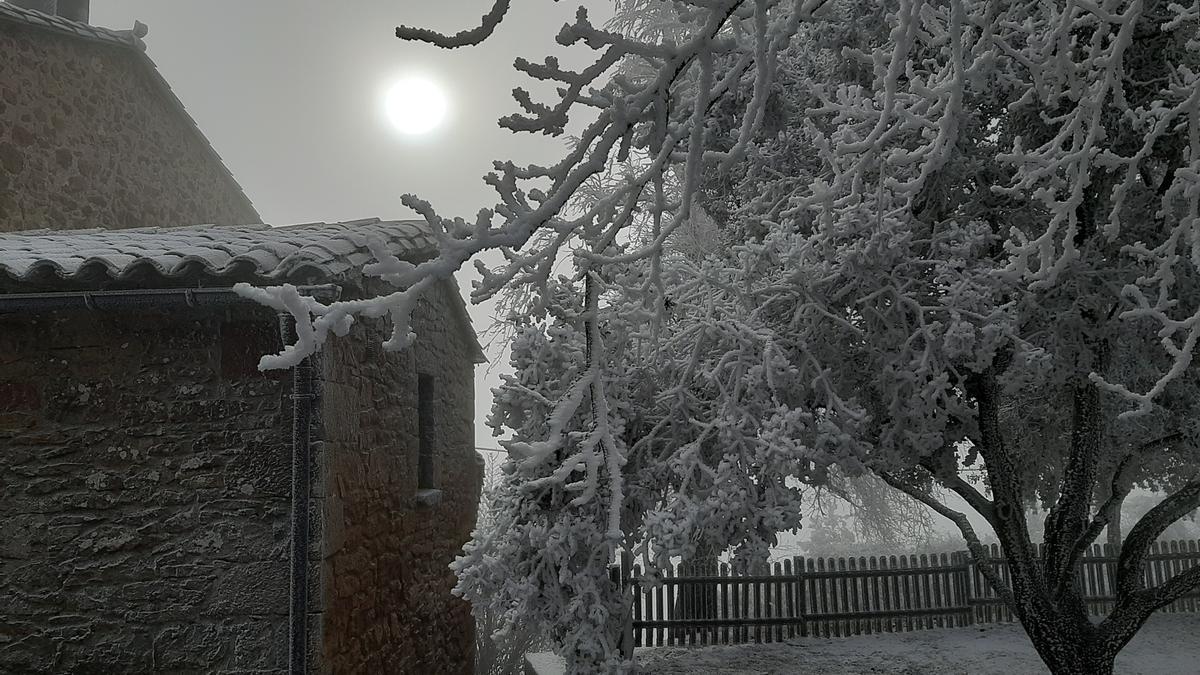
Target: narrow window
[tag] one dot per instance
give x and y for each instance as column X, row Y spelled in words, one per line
column 425, row 432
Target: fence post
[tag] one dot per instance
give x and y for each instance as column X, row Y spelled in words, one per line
column 801, row 610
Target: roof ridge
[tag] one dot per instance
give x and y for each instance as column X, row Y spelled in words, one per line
column 38, row 19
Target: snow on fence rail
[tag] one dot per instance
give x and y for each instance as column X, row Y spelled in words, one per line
column 836, row 597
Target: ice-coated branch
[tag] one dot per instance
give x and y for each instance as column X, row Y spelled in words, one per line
column 631, row 119
column 811, row 240
column 464, row 38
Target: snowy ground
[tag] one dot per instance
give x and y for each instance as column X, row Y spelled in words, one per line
column 1168, row 643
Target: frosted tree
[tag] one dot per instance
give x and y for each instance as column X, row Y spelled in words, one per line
column 953, row 234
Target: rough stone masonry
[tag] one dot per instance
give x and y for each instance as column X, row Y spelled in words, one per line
column 144, row 482
column 90, row 136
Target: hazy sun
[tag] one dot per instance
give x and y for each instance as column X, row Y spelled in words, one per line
column 415, row 105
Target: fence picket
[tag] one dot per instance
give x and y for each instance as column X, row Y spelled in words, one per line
column 1108, row 575
column 923, row 592
column 980, row 589
column 821, row 627
column 935, row 592
column 840, row 597
column 850, row 626
column 876, row 603
column 735, row 603
column 790, row 595
column 990, row 611
column 956, row 595
column 744, row 600
column 1170, row 549
column 774, row 605
column 1089, row 573
column 1193, row 549
column 803, row 595
column 885, row 598
column 777, row 609
column 859, row 584
column 767, row 607
column 914, row 602
column 669, row 604
column 723, row 590
column 637, row 602
column 889, row 593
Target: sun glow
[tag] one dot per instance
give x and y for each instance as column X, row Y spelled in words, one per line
column 415, row 105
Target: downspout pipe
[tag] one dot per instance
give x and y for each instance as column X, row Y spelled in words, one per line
column 303, row 403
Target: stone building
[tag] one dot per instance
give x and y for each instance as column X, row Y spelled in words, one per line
column 92, row 136
column 164, row 505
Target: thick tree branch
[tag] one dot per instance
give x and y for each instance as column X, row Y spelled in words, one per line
column 1069, row 517
column 1174, row 588
column 978, row 552
column 1003, row 475
column 955, row 483
column 1144, row 533
column 1122, row 485
column 1133, row 609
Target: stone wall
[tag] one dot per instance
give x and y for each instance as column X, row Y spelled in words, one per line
column 145, row 471
column 88, row 138
column 144, row 488
column 386, row 585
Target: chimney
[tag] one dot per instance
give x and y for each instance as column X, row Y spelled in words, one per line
column 74, row 10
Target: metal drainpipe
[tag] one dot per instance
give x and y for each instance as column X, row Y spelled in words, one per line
column 303, row 397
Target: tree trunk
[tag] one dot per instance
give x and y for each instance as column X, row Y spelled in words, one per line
column 1086, row 658
column 1114, row 531
column 1067, row 641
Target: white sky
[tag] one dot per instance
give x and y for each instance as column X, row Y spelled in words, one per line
column 290, row 92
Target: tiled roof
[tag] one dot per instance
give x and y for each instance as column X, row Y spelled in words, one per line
column 74, row 28
column 314, row 250
column 132, row 39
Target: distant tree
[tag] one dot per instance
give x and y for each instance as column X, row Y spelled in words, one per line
column 953, row 234
column 500, row 644
column 864, row 516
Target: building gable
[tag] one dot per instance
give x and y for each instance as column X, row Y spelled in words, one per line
column 91, row 134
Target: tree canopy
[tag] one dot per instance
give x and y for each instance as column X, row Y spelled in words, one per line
column 816, row 236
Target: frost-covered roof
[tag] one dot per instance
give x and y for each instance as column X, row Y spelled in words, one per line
column 310, row 251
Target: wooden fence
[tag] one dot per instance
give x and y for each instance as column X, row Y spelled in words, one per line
column 850, row 596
